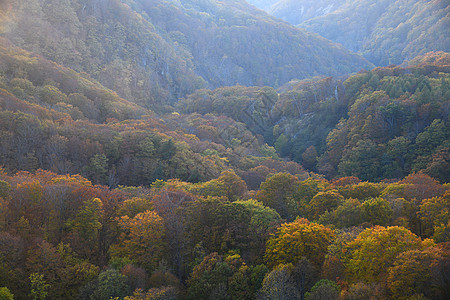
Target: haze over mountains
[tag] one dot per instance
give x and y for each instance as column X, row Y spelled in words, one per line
column 297, row 11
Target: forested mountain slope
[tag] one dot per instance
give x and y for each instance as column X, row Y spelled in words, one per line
column 153, row 52
column 57, row 119
column 233, row 43
column 130, row 170
column 151, row 206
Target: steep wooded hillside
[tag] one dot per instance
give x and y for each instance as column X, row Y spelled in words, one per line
column 43, row 83
column 154, row 52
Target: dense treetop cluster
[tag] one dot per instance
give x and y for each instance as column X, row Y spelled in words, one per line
column 69, row 239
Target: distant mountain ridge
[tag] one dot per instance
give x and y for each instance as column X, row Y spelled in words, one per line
column 109, row 61
column 383, row 31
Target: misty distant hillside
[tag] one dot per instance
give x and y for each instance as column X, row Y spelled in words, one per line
column 154, row 52
column 388, row 32
column 383, row 31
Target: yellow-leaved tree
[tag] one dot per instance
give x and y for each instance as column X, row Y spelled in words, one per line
column 141, row 239
column 298, row 239
column 374, row 250
column 419, row 272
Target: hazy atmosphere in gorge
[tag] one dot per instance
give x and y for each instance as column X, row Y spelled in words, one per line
column 232, row 149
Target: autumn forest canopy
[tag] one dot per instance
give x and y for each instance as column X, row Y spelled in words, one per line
column 274, row 149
